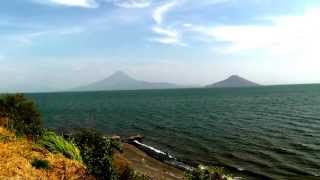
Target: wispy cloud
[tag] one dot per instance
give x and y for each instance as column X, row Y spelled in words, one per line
column 28, row 38
column 173, row 34
column 132, row 3
column 71, row 3
column 285, row 34
column 166, row 34
column 161, row 11
column 32, row 32
column 96, row 3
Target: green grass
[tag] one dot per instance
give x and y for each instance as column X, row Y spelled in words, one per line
column 57, row 144
column 40, row 164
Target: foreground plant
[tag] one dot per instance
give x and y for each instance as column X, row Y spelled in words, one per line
column 20, row 115
column 207, row 173
column 97, row 153
column 57, row 144
column 40, row 164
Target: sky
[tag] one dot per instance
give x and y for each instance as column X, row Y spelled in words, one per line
column 61, row 44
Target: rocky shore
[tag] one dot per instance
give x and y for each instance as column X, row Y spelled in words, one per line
column 150, row 161
column 145, row 164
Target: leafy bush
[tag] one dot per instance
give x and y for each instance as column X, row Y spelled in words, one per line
column 23, row 115
column 40, row 164
column 97, row 153
column 57, row 144
column 207, row 173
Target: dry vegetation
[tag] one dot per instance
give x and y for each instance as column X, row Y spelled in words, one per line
column 16, row 155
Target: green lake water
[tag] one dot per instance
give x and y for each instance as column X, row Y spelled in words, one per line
column 264, row 132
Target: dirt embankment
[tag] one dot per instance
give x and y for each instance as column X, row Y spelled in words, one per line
column 16, row 155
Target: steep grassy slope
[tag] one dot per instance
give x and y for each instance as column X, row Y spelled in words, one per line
column 17, row 154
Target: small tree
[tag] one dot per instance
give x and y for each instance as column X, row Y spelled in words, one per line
column 97, row 153
column 23, row 116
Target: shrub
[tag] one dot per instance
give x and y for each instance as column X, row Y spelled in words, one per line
column 23, row 115
column 2, row 108
column 40, row 164
column 57, row 144
column 207, row 173
column 97, row 152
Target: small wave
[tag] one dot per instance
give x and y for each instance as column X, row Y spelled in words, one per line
column 240, row 169
column 162, row 156
column 296, row 170
column 282, row 150
column 150, row 147
column 302, row 146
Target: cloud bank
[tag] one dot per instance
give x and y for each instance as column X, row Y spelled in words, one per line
column 283, row 35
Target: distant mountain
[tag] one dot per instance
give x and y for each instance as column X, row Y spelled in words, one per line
column 233, row 81
column 121, row 81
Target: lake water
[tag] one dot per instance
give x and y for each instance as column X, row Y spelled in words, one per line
column 264, row 132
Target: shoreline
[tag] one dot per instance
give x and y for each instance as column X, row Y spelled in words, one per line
column 149, row 159
column 164, row 159
column 145, row 164
column 161, row 156
column 169, row 160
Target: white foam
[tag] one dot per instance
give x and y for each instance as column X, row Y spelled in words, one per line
column 150, row 147
column 172, row 160
column 240, row 169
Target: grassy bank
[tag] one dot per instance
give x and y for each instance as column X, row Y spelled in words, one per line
column 17, row 155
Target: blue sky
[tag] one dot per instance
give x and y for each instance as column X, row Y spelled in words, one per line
column 60, row 44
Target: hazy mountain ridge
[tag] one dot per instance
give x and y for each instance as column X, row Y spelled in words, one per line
column 233, row 81
column 121, row 81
